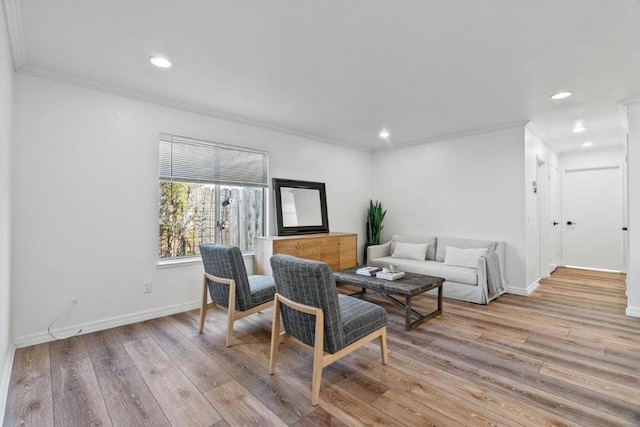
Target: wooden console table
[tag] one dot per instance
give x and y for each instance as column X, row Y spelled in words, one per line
column 336, row 249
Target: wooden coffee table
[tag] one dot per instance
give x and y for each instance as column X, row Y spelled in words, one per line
column 410, row 285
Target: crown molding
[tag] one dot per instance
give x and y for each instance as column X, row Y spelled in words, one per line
column 534, row 129
column 164, row 102
column 12, row 12
column 630, row 101
column 216, row 114
column 470, row 132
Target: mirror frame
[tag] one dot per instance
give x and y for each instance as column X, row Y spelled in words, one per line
column 278, row 183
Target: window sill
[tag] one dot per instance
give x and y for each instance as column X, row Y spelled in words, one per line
column 187, row 261
column 178, row 262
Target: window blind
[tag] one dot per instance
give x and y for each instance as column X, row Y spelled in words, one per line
column 188, row 160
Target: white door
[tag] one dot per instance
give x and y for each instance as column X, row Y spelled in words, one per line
column 555, row 218
column 593, row 218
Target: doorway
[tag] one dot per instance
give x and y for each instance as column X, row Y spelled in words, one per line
column 592, row 226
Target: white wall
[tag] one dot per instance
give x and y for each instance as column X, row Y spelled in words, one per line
column 633, row 273
column 468, row 186
column 6, row 89
column 85, row 202
column 593, row 158
column 537, row 239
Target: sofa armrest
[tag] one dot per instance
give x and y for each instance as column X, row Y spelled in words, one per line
column 378, row 251
column 482, row 276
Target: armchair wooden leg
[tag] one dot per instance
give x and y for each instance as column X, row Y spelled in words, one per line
column 204, row 306
column 231, row 313
column 317, row 379
column 230, row 321
column 383, row 345
column 229, row 331
column 275, row 336
column 318, row 359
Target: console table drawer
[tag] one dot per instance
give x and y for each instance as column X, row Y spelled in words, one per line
column 336, row 249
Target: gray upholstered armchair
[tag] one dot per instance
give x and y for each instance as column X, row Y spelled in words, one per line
column 226, row 279
column 314, row 314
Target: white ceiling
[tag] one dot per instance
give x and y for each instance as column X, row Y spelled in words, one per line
column 341, row 70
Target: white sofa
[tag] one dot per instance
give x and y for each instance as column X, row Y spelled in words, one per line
column 461, row 283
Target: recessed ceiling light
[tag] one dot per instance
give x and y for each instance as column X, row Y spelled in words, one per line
column 384, row 133
column 160, row 62
column 561, row 95
column 587, row 144
column 579, row 128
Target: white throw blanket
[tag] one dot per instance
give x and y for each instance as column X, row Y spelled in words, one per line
column 495, row 287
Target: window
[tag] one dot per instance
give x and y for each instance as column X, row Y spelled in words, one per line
column 209, row 193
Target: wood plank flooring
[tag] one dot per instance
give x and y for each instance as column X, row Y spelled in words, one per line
column 565, row 356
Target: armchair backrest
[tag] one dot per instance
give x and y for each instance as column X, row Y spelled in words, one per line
column 226, row 262
column 310, row 283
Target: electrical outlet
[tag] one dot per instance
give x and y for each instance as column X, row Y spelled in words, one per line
column 147, row 288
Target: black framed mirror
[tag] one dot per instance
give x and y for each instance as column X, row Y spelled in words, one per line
column 301, row 207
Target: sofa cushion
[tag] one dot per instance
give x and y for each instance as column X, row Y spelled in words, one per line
column 443, row 242
column 412, row 238
column 467, row 276
column 417, row 251
column 463, row 257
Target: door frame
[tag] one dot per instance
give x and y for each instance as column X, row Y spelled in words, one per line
column 542, row 178
column 552, row 266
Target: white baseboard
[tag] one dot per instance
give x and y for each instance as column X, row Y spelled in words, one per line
column 524, row 292
column 605, row 270
column 633, row 311
column 5, row 379
column 112, row 322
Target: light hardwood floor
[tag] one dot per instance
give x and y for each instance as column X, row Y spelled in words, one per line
column 567, row 355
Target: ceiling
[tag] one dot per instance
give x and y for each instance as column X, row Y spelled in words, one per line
column 341, row 70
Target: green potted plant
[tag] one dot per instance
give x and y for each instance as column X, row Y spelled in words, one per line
column 375, row 216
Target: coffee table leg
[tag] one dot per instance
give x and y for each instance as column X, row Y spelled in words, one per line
column 359, row 294
column 440, row 299
column 407, row 319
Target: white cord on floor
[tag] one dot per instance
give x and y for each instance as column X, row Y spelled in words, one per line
column 66, row 316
